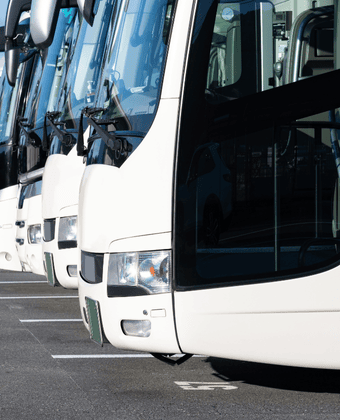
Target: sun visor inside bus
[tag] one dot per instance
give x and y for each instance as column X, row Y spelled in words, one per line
column 44, row 18
column 87, row 9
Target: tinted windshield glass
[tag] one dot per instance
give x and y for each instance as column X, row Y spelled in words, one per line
column 85, row 69
column 46, row 82
column 131, row 82
column 8, row 101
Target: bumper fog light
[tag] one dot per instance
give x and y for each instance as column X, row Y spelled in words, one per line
column 72, row 270
column 136, row 328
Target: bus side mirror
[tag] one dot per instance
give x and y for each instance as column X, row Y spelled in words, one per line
column 13, row 47
column 14, row 36
column 12, row 64
column 15, row 9
column 88, row 10
column 44, row 18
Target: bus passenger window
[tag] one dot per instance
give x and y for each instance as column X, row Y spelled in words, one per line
column 255, row 196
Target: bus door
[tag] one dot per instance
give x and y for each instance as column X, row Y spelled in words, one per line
column 255, row 254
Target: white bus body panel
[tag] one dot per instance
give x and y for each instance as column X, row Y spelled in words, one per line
column 144, row 185
column 287, row 322
column 61, row 180
column 60, row 193
column 9, row 259
column 30, row 254
column 146, row 213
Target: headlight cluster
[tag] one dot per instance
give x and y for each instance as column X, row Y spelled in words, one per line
column 67, row 236
column 148, row 270
column 34, row 235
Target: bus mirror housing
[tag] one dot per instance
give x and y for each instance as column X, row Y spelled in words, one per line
column 87, row 9
column 15, row 9
column 44, row 18
column 12, row 64
column 14, row 36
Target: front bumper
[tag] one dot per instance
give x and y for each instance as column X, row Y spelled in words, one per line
column 62, row 261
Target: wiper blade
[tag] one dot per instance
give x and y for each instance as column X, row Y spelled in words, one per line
column 120, row 145
column 62, row 135
column 32, row 138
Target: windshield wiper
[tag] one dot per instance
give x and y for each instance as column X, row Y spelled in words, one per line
column 62, row 135
column 32, row 137
column 120, row 145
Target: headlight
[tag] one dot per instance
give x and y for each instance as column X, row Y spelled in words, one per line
column 150, row 271
column 67, row 237
column 34, row 234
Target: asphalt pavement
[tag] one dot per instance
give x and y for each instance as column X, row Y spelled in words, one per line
column 50, row 369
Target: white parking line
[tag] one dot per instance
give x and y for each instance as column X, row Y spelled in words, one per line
column 107, row 356
column 37, row 297
column 50, row 320
column 23, row 282
column 205, row 386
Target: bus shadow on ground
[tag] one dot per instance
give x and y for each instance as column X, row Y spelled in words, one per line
column 278, row 377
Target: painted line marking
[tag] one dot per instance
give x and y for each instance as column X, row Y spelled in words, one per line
column 37, row 297
column 105, row 356
column 51, row 320
column 23, row 282
column 205, row 386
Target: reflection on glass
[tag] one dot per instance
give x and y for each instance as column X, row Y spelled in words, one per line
column 47, row 78
column 85, row 69
column 8, row 102
column 254, row 203
column 132, row 78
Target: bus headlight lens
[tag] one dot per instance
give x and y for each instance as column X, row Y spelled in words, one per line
column 149, row 270
column 34, row 234
column 67, row 237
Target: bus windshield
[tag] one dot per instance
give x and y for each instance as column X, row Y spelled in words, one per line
column 85, row 69
column 131, row 83
column 8, row 101
column 45, row 87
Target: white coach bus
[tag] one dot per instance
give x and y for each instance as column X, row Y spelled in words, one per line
column 43, row 93
column 208, row 210
column 64, row 168
column 15, row 81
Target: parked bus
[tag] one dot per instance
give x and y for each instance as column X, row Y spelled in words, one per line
column 13, row 102
column 44, row 89
column 64, row 168
column 208, row 210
